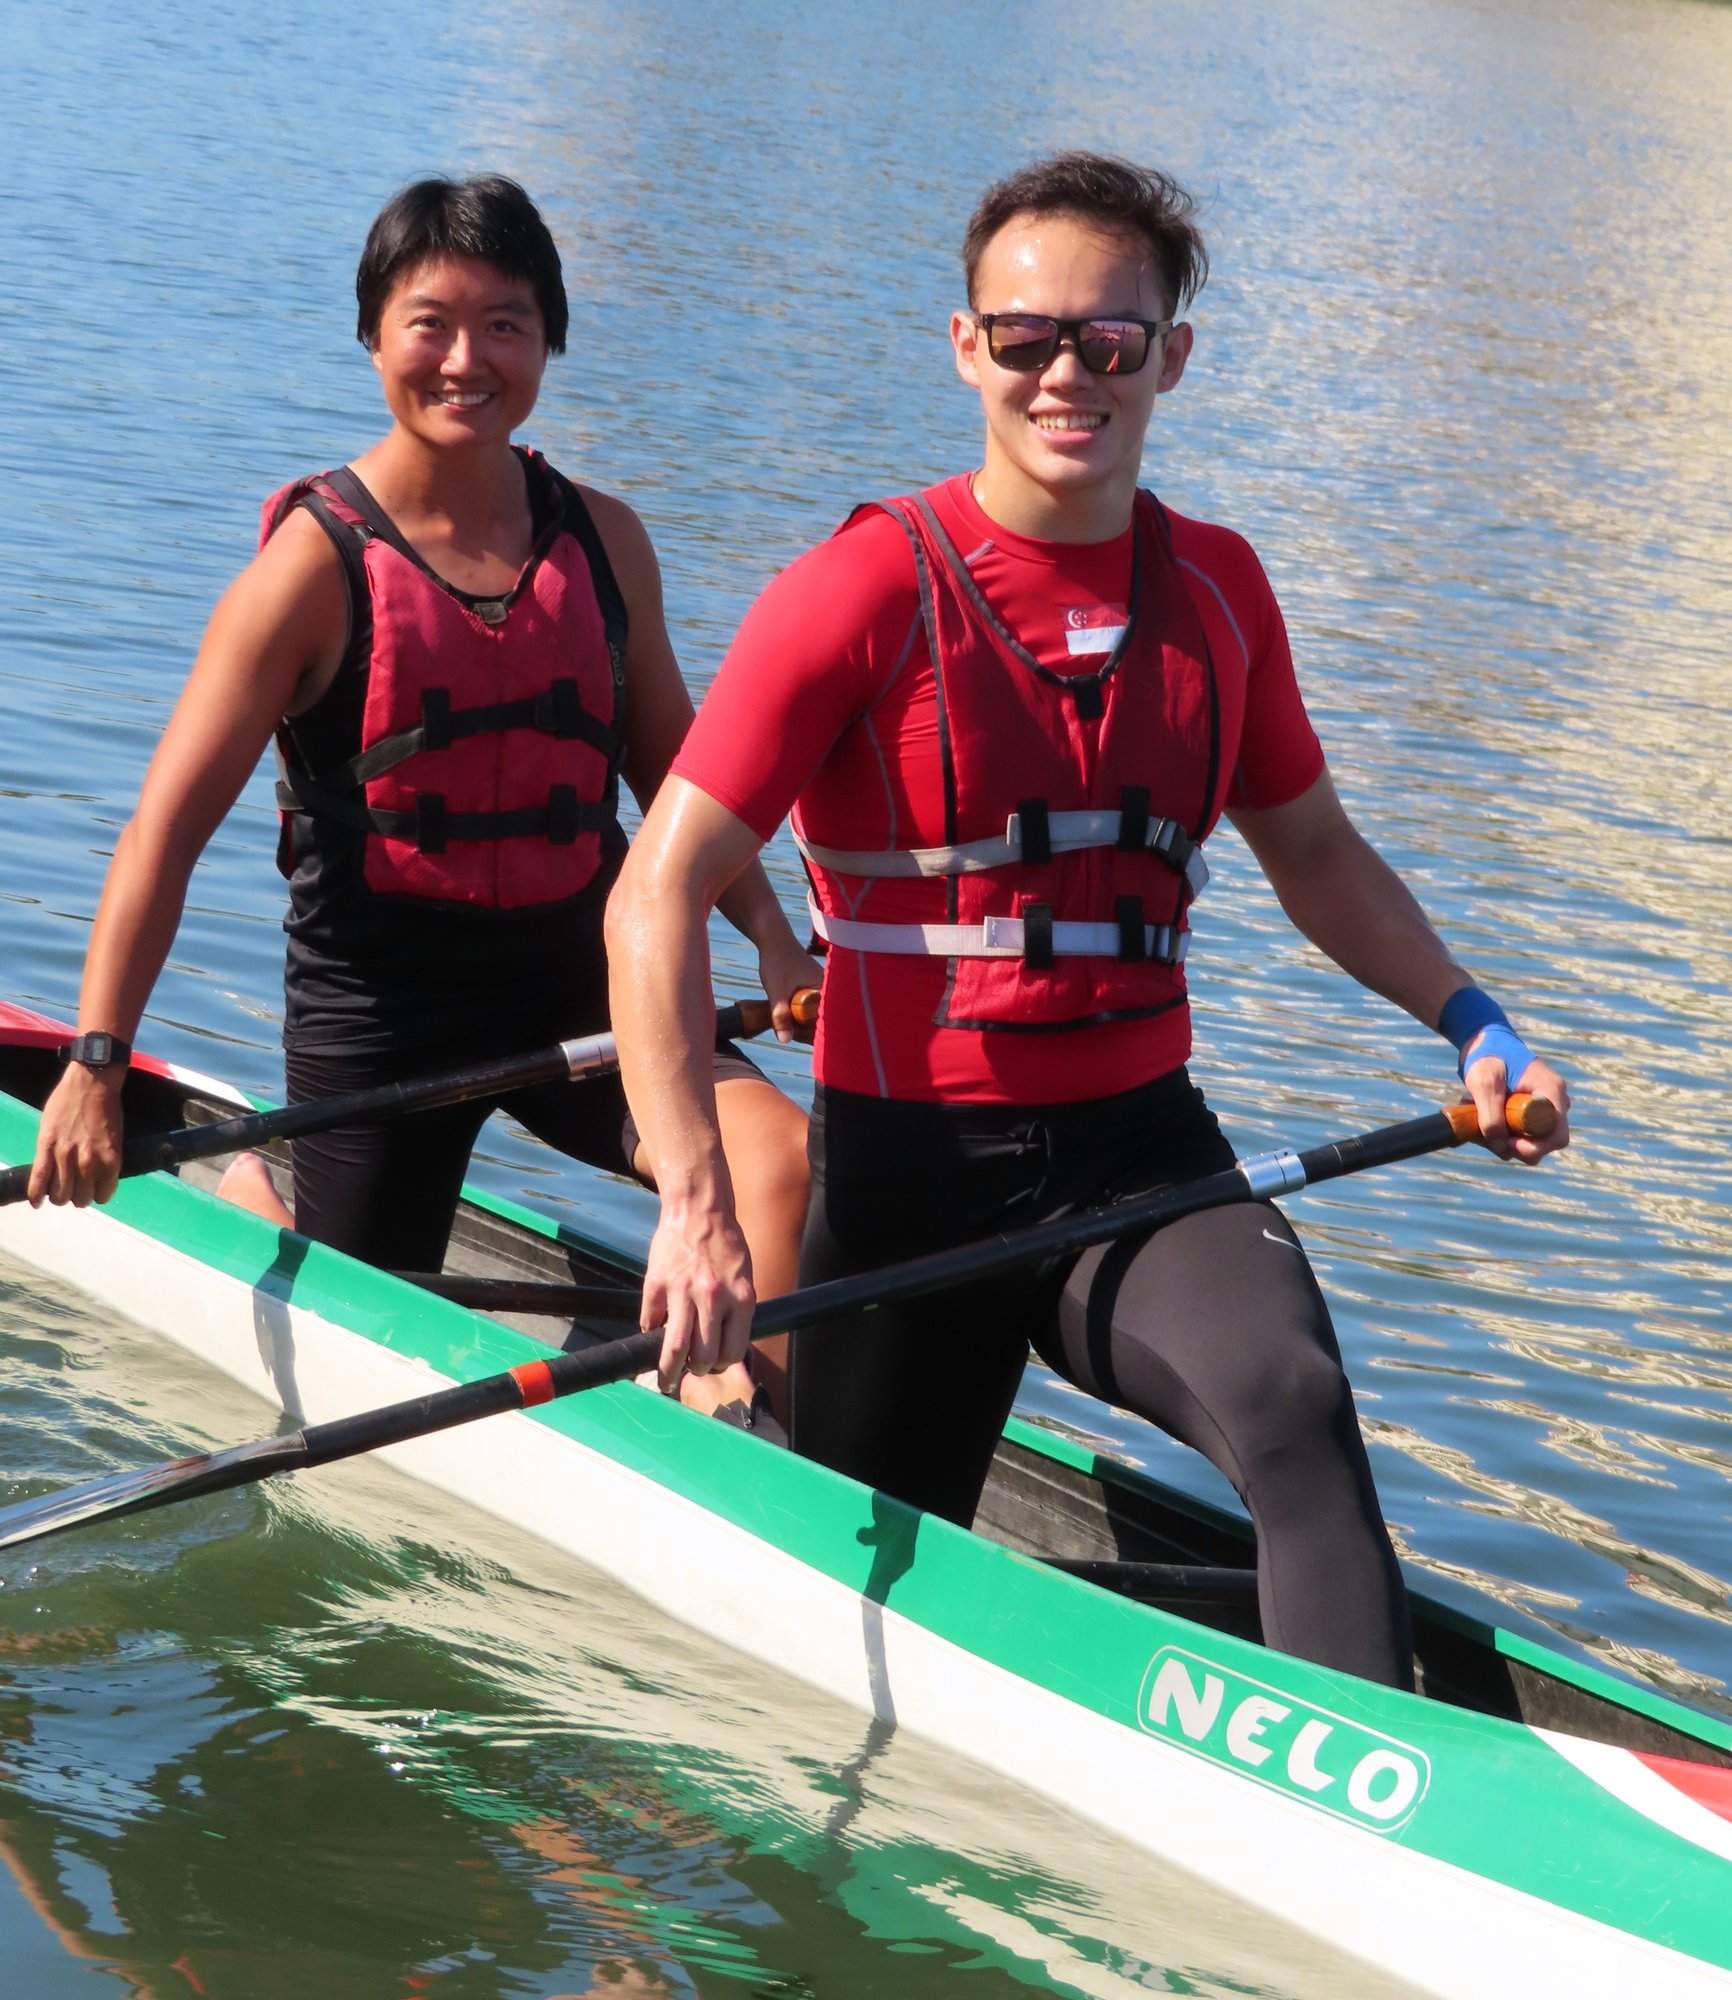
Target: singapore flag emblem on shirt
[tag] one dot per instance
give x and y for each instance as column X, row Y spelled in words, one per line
column 1094, row 628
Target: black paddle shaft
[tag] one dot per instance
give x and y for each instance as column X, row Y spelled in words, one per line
column 542, row 1380
column 1251, row 1180
column 527, row 1295
column 565, row 1062
column 614, row 1360
column 1342, row 1156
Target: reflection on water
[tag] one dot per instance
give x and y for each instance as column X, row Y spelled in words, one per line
column 346, row 1738
column 1460, row 375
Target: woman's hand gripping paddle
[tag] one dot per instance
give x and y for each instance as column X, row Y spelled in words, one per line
column 592, row 1055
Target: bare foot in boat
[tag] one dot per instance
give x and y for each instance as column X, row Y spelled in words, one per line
column 708, row 1393
column 248, row 1184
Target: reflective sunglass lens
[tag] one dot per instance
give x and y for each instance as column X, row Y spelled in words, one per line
column 1112, row 346
column 1022, row 343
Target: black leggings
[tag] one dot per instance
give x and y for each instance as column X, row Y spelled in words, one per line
column 1213, row 1328
column 387, row 1192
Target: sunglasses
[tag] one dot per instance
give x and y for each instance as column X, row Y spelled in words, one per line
column 1027, row 342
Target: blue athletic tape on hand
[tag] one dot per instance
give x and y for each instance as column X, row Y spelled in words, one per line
column 1503, row 1041
column 1471, row 1013
column 1465, row 1013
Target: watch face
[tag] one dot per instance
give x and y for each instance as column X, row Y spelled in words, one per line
column 97, row 1050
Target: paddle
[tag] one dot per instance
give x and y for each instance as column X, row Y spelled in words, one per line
column 533, row 1382
column 567, row 1062
column 526, row 1295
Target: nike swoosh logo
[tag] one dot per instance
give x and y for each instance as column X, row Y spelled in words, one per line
column 1285, row 1245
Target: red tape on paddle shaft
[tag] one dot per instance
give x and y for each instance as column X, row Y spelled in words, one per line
column 535, row 1379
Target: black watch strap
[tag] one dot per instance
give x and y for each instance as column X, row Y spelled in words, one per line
column 97, row 1051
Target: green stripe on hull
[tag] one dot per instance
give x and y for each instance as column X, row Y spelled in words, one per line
column 1485, row 1796
column 1515, row 1646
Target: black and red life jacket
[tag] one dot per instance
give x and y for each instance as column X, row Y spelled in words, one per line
column 1075, row 806
column 470, row 744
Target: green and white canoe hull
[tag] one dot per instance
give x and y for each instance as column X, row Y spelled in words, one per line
column 1460, row 1854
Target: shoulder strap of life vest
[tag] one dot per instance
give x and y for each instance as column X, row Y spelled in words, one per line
column 1087, row 691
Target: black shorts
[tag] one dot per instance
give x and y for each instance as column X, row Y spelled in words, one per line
column 387, row 1191
column 1213, row 1328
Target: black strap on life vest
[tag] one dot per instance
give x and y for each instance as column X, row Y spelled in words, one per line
column 1037, row 952
column 1133, row 937
column 558, row 713
column 1134, row 820
column 1171, row 844
column 929, row 624
column 433, row 828
column 1212, row 774
column 1036, row 824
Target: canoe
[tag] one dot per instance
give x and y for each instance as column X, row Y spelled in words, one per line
column 1526, row 1824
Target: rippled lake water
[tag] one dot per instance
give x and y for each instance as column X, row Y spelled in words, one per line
column 1461, row 377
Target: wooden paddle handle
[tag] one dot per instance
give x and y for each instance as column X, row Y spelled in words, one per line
column 1527, row 1116
column 755, row 1015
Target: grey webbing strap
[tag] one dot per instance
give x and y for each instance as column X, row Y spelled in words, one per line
column 1069, row 832
column 997, row 937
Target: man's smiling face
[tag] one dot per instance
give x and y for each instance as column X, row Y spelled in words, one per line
column 1064, row 445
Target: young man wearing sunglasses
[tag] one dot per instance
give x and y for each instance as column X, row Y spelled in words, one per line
column 1006, row 714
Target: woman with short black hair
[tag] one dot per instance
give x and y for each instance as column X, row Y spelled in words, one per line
column 459, row 653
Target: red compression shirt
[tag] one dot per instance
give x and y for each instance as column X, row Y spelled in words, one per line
column 827, row 698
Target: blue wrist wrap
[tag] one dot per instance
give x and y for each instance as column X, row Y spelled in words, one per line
column 1470, row 1014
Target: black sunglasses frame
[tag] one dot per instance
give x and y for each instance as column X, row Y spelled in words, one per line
column 1042, row 355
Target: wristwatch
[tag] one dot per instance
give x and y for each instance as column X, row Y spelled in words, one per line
column 97, row 1051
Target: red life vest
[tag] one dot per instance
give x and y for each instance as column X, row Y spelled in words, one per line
column 486, row 769
column 1075, row 806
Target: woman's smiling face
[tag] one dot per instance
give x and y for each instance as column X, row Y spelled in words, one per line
column 461, row 350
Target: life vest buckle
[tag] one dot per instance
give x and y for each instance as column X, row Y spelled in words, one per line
column 1034, row 826
column 562, row 815
column 559, row 712
column 1133, row 938
column 436, row 719
column 430, row 822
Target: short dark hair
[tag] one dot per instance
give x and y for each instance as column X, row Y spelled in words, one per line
column 488, row 217
column 1140, row 201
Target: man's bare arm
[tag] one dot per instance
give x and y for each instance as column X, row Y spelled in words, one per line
column 697, row 1280
column 1352, row 905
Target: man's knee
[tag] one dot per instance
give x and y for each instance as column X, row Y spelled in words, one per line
column 1297, row 1410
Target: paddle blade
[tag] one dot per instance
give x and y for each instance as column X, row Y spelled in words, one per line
column 136, row 1492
